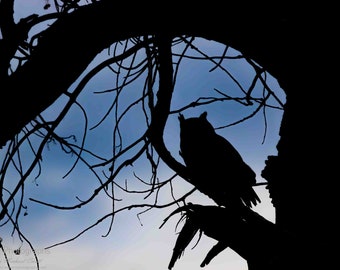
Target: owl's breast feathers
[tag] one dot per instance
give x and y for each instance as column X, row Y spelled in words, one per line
column 215, row 156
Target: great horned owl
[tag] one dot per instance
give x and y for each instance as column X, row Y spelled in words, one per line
column 215, row 166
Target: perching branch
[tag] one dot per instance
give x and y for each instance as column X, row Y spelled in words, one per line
column 253, row 237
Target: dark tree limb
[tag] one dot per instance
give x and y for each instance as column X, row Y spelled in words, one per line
column 66, row 48
column 260, row 242
column 161, row 110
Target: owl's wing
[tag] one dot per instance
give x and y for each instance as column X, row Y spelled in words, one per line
column 239, row 174
column 228, row 155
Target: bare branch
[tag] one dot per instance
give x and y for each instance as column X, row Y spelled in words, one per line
column 120, row 210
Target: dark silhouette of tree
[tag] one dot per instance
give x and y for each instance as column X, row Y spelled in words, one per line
column 39, row 66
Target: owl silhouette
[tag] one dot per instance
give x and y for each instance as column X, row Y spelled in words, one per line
column 215, row 167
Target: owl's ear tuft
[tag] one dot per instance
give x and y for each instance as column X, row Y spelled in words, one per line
column 204, row 115
column 180, row 117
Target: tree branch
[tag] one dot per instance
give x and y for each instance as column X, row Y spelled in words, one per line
column 257, row 240
column 66, row 48
column 162, row 108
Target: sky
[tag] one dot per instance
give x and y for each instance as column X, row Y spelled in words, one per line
column 135, row 241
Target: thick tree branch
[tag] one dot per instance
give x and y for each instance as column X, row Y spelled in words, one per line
column 162, row 108
column 69, row 45
column 6, row 17
column 257, row 240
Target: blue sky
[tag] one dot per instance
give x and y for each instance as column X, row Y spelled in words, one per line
column 134, row 243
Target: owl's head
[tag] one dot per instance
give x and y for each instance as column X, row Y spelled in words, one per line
column 196, row 125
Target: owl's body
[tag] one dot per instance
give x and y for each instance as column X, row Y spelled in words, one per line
column 214, row 165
